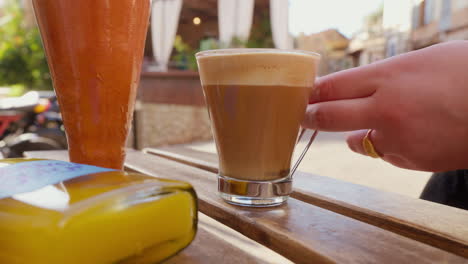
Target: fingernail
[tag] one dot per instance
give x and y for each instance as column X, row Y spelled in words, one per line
column 315, row 96
column 309, row 120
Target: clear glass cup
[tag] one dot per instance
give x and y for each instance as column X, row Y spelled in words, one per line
column 256, row 99
column 95, row 51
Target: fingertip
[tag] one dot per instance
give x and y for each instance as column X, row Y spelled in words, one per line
column 317, row 117
column 308, row 121
column 318, row 89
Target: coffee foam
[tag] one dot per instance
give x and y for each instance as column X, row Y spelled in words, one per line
column 258, row 68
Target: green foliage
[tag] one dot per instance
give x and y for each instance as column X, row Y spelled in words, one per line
column 260, row 35
column 16, row 90
column 209, row 44
column 185, row 57
column 22, row 59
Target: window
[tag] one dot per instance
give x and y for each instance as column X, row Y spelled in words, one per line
column 446, row 15
column 429, row 8
column 415, row 17
column 391, row 48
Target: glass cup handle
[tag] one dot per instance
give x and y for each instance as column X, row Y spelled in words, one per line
column 312, row 138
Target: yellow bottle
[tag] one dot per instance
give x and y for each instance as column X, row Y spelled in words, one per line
column 97, row 218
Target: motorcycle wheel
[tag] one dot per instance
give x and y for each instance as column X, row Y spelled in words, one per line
column 39, row 143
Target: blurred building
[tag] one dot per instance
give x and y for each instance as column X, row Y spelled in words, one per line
column 405, row 25
column 435, row 21
column 368, row 45
column 332, row 46
column 396, row 24
column 386, row 32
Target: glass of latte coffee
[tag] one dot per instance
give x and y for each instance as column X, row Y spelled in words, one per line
column 256, row 100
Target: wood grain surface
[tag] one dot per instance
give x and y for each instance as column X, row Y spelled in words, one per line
column 216, row 243
column 302, row 232
column 299, row 231
column 434, row 224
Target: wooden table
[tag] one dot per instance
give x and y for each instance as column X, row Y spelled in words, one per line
column 324, row 221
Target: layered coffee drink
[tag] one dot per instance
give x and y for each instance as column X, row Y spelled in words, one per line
column 256, row 99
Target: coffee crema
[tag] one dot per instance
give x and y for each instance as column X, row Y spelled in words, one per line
column 256, row 102
column 257, row 68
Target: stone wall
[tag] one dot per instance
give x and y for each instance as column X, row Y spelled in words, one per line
column 170, row 110
column 167, row 124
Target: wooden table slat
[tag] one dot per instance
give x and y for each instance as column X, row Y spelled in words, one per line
column 434, row 224
column 301, row 232
column 297, row 230
column 211, row 245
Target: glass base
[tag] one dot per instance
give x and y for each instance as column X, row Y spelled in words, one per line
column 254, row 193
column 252, row 201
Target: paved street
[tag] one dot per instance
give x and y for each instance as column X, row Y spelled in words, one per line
column 330, row 156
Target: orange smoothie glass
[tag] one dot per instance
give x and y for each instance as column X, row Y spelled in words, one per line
column 95, row 50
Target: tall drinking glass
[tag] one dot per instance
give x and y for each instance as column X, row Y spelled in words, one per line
column 94, row 50
column 256, row 99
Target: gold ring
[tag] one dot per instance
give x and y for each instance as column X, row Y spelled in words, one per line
column 368, row 146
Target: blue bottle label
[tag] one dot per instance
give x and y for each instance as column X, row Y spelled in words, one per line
column 33, row 175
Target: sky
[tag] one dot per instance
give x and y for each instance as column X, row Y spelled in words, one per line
column 311, row 16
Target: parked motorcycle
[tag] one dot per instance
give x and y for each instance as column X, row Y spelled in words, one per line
column 30, row 122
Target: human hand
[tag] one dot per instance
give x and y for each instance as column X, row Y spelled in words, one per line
column 416, row 104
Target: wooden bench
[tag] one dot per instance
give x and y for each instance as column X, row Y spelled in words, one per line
column 324, row 221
